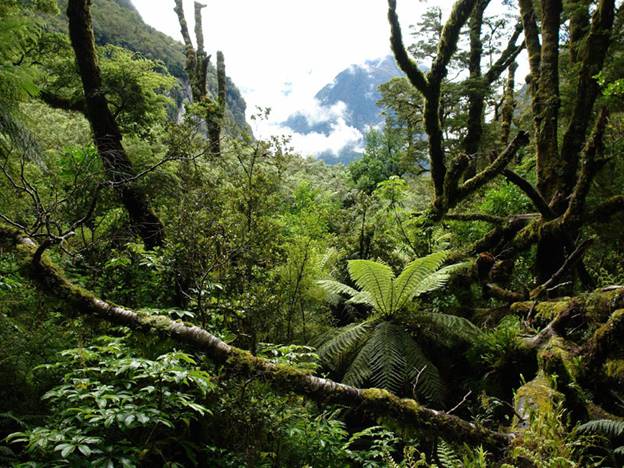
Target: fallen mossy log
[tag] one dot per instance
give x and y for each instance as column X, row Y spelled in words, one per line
column 380, row 403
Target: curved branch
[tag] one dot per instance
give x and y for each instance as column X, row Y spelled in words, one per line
column 409, row 67
column 495, row 168
column 531, row 192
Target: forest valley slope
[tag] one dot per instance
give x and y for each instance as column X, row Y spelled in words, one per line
column 179, row 293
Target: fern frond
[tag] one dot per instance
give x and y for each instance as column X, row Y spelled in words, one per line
column 411, row 279
column 391, row 360
column 360, row 371
column 376, row 279
column 362, row 297
column 386, row 358
column 610, row 428
column 336, row 287
column 429, row 385
column 438, row 279
column 335, row 352
column 447, row 456
column 448, row 328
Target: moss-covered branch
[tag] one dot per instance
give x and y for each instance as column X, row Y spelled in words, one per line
column 507, row 57
column 495, row 168
column 589, row 166
column 449, row 37
column 409, row 67
column 593, row 57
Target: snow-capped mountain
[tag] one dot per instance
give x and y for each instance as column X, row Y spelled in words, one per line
column 347, row 106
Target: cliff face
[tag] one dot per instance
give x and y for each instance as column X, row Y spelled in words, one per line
column 117, row 22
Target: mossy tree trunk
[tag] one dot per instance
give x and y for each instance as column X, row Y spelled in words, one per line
column 106, row 133
column 197, row 64
column 559, row 171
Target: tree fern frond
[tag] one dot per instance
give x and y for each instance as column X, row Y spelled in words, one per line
column 449, row 328
column 337, row 350
column 360, row 371
column 619, row 451
column 610, row 428
column 438, row 279
column 409, row 282
column 328, row 258
column 387, row 360
column 422, row 373
column 336, row 287
column 392, row 360
column 376, row 279
column 362, row 297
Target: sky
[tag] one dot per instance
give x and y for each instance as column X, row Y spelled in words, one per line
column 280, row 53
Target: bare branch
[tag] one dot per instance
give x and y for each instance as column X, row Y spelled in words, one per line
column 575, row 257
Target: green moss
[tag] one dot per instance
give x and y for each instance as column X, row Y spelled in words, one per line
column 155, row 322
column 376, row 394
column 536, row 396
column 556, row 359
column 614, row 369
column 543, row 312
column 600, row 304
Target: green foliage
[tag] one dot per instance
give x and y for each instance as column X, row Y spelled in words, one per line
column 137, row 88
column 388, row 294
column 381, row 160
column 115, row 408
column 495, row 347
column 392, row 360
column 381, row 442
column 547, row 443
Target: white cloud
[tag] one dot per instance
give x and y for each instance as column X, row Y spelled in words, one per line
column 341, row 136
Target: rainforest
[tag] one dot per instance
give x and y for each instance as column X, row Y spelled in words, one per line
column 178, row 291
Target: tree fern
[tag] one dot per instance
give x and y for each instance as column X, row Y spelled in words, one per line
column 336, row 351
column 377, row 279
column 386, row 293
column 610, row 428
column 392, row 360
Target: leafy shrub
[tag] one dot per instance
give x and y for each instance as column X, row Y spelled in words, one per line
column 113, row 408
